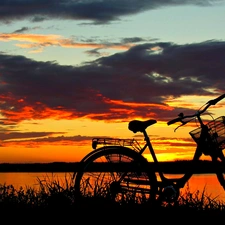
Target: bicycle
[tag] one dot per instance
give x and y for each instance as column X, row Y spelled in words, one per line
column 117, row 171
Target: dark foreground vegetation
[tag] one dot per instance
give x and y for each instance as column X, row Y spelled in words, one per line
column 54, row 202
column 175, row 167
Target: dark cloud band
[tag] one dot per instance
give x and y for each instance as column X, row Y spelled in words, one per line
column 96, row 11
column 108, row 87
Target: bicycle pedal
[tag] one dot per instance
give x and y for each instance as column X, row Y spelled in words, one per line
column 169, row 193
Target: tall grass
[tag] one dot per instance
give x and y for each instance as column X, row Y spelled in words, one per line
column 200, row 200
column 53, row 193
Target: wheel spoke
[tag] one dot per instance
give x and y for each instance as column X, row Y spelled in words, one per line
column 117, row 182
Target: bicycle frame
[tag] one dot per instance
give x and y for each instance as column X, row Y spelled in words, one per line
column 205, row 146
column 208, row 143
column 181, row 181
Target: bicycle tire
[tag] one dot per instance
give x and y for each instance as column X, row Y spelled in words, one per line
column 138, row 185
column 219, row 164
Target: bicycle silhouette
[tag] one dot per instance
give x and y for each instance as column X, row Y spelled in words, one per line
column 117, row 171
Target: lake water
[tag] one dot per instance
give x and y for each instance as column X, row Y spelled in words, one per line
column 198, row 182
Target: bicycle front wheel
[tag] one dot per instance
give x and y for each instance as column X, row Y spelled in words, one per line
column 116, row 174
column 219, row 163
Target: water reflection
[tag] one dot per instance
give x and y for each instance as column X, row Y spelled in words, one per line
column 206, row 183
column 198, row 182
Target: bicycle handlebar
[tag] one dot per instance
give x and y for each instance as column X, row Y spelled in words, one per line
column 214, row 101
column 199, row 112
column 174, row 121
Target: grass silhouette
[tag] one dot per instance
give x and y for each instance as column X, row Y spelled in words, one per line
column 54, row 195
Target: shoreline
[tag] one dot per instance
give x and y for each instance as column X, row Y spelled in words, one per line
column 176, row 167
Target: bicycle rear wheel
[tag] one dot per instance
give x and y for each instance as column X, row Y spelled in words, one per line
column 116, row 174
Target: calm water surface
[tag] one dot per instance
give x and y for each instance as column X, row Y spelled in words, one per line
column 198, row 182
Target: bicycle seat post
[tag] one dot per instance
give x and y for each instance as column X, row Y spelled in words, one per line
column 149, row 144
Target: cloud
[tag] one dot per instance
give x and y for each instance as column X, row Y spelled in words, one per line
column 4, row 136
column 37, row 139
column 138, row 82
column 25, row 29
column 38, row 42
column 95, row 11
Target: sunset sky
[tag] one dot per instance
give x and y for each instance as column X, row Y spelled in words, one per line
column 71, row 70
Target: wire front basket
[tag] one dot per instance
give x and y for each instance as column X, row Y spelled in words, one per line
column 216, row 131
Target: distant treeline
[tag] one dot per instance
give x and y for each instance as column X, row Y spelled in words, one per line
column 176, row 167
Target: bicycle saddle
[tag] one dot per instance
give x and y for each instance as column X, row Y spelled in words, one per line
column 140, row 126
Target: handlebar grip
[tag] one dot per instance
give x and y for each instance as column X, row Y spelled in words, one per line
column 174, row 121
column 214, row 101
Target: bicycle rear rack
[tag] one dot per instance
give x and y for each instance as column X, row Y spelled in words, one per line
column 116, row 142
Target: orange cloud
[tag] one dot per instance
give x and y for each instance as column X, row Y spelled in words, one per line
column 41, row 41
column 135, row 104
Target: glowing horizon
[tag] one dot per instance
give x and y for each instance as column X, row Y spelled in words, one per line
column 68, row 77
